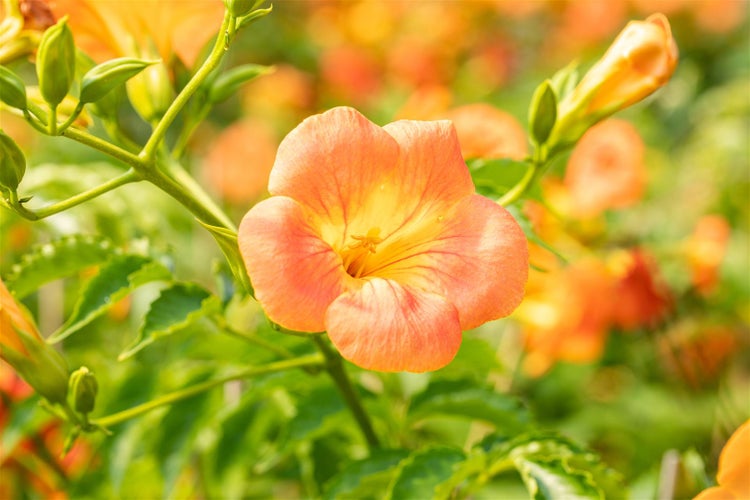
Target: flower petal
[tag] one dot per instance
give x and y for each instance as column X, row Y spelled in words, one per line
column 478, row 260
column 431, row 167
column 332, row 163
column 296, row 275
column 386, row 326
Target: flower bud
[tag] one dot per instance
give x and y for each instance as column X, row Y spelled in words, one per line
column 23, row 348
column 12, row 89
column 12, row 163
column 542, row 112
column 640, row 60
column 103, row 78
column 83, row 387
column 150, row 92
column 56, row 62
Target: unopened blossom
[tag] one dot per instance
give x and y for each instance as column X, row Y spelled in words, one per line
column 376, row 236
column 23, row 348
column 640, row 60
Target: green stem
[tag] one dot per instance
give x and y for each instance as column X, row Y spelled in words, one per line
column 211, row 62
column 126, row 178
column 52, row 124
column 335, row 368
column 519, row 189
column 312, row 360
column 105, row 147
column 72, row 117
column 194, row 190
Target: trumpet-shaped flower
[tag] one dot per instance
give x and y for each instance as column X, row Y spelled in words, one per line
column 377, row 236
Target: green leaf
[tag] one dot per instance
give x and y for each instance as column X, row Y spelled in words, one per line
column 174, row 309
column 117, row 278
column 420, row 474
column 105, row 77
column 463, row 398
column 365, row 479
column 178, row 430
column 228, row 83
column 57, row 259
column 316, row 413
column 494, row 178
column 552, row 466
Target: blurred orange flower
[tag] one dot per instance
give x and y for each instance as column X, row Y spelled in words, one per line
column 606, row 169
column 696, row 353
column 705, row 250
column 375, row 235
column 642, row 298
column 106, row 29
column 566, row 315
column 487, row 132
column 733, row 477
column 239, row 161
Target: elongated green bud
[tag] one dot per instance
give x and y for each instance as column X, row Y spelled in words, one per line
column 83, row 387
column 103, row 78
column 12, row 89
column 542, row 112
column 229, row 82
column 12, row 163
column 56, row 62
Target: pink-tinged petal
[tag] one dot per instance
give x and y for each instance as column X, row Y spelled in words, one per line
column 296, row 275
column 387, row 326
column 331, row 164
column 431, row 167
column 477, row 259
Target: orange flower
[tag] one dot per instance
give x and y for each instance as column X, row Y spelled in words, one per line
column 23, row 348
column 12, row 318
column 239, row 161
column 487, row 132
column 606, row 169
column 734, row 469
column 105, row 29
column 642, row 299
column 376, row 235
column 705, row 251
column 564, row 316
column 640, row 60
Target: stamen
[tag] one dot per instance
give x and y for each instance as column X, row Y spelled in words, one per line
column 356, row 254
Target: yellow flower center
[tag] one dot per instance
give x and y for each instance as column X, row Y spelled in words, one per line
column 357, row 253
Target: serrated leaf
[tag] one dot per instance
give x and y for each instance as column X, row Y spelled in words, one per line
column 552, row 466
column 462, row 398
column 117, row 278
column 174, row 309
column 548, row 480
column 315, row 412
column 420, row 474
column 57, row 259
column 365, row 479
